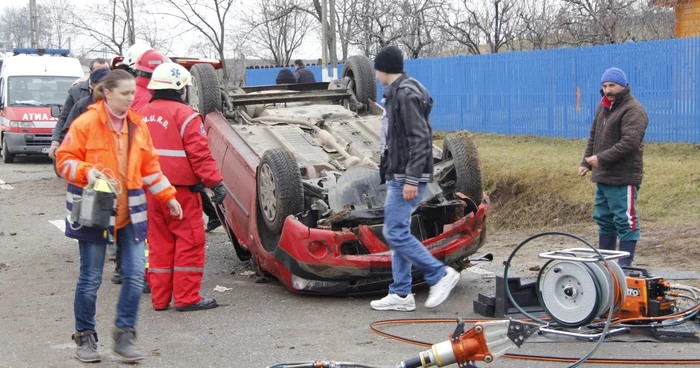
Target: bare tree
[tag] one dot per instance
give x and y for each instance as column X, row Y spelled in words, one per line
column 14, row 27
column 58, row 11
column 347, row 13
column 490, row 22
column 596, row 21
column 105, row 25
column 208, row 17
column 418, row 26
column 278, row 30
column 539, row 22
column 377, row 26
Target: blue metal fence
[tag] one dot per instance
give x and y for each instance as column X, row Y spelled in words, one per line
column 554, row 93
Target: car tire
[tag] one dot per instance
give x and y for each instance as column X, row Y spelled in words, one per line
column 360, row 70
column 7, row 157
column 461, row 148
column 279, row 188
column 204, row 95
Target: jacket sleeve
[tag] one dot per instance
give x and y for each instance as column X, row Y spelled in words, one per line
column 70, row 156
column 196, row 145
column 632, row 127
column 153, row 178
column 76, row 111
column 65, row 111
column 417, row 134
column 589, row 144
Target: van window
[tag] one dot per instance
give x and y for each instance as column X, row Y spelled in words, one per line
column 2, row 92
column 37, row 91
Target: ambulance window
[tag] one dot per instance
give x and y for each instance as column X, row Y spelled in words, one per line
column 2, row 92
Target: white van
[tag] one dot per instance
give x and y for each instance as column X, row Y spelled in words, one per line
column 31, row 81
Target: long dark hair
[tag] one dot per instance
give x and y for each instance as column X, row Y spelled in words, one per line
column 111, row 81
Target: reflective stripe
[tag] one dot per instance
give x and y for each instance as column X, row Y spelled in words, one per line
column 70, row 197
column 187, row 121
column 189, row 269
column 139, row 217
column 160, row 186
column 137, row 200
column 159, row 270
column 150, row 179
column 171, row 153
column 112, row 221
column 71, row 165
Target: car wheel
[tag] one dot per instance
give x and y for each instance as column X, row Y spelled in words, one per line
column 242, row 253
column 363, row 81
column 466, row 175
column 7, row 157
column 280, row 191
column 204, row 95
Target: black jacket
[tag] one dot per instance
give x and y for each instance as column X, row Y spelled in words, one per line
column 304, row 75
column 78, row 109
column 617, row 138
column 408, row 156
column 75, row 94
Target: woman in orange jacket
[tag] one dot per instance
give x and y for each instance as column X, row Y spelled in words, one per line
column 111, row 140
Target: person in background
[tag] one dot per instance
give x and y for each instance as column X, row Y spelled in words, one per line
column 110, row 139
column 81, row 106
column 285, row 76
column 177, row 246
column 302, row 74
column 406, row 165
column 145, row 65
column 615, row 153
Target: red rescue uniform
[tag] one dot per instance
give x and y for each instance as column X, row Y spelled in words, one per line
column 177, row 247
column 143, row 94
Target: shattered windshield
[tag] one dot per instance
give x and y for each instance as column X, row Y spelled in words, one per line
column 38, row 91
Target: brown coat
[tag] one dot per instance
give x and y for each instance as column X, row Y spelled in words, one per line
column 617, row 138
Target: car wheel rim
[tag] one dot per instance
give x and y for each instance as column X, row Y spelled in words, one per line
column 193, row 92
column 268, row 197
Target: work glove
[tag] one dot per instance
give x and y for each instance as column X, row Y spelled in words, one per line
column 219, row 193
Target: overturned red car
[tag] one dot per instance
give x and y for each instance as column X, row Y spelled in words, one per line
column 305, row 202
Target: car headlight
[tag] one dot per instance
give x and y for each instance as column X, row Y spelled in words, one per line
column 301, row 283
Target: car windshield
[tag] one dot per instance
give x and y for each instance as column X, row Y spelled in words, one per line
column 38, row 91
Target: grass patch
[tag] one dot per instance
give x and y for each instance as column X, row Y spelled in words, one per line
column 533, row 182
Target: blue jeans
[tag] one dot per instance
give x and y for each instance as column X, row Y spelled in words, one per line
column 616, row 211
column 406, row 249
column 92, row 260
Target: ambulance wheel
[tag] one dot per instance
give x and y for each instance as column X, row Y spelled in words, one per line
column 280, row 190
column 7, row 157
column 204, row 95
column 465, row 176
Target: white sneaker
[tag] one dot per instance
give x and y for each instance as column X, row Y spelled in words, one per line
column 440, row 291
column 394, row 302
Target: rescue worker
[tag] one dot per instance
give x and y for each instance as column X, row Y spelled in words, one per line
column 112, row 139
column 132, row 56
column 177, row 247
column 145, row 65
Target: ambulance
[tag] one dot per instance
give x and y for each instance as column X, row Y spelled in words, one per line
column 31, row 81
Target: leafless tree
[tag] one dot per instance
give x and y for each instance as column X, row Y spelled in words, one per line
column 208, row 17
column 540, row 29
column 490, row 22
column 418, row 22
column 596, row 21
column 277, row 30
column 58, row 11
column 347, row 14
column 104, row 24
column 14, row 27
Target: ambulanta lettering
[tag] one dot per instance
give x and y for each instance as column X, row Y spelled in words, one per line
column 156, row 119
column 37, row 117
column 633, row 292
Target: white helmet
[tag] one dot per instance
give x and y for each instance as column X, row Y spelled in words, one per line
column 134, row 53
column 170, row 76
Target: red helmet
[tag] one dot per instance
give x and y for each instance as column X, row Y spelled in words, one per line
column 149, row 60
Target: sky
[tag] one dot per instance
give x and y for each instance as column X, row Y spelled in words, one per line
column 311, row 48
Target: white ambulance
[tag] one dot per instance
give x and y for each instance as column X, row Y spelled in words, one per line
column 31, row 81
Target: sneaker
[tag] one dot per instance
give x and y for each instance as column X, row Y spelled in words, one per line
column 395, row 303
column 440, row 291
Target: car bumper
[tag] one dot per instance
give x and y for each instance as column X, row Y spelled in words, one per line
column 27, row 143
column 313, row 261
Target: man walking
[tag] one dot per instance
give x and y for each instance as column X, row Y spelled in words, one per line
column 614, row 152
column 407, row 167
column 302, row 74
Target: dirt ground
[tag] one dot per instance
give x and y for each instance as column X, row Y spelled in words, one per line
column 257, row 324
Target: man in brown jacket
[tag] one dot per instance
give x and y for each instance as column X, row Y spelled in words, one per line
column 614, row 153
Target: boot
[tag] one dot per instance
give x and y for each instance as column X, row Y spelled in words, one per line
column 124, row 345
column 146, row 287
column 87, row 346
column 203, row 304
column 607, row 242
column 117, row 275
column 627, row 246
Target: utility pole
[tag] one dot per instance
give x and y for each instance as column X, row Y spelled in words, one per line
column 328, row 40
column 32, row 23
column 132, row 39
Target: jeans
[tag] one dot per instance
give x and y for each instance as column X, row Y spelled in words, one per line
column 92, row 259
column 406, row 249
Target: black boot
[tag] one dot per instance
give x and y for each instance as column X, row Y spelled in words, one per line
column 607, row 242
column 627, row 246
column 203, row 304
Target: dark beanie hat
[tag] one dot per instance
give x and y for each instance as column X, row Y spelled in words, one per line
column 285, row 76
column 389, row 60
column 98, row 75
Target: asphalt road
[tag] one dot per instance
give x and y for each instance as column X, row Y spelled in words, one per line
column 257, row 324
